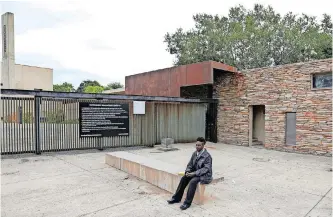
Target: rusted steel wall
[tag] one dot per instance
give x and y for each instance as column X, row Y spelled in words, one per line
column 167, row 82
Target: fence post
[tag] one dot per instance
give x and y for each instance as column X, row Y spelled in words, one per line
column 99, row 139
column 37, row 125
column 100, row 144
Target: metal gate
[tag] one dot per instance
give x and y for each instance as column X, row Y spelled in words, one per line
column 49, row 121
column 211, row 122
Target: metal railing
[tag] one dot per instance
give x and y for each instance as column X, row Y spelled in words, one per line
column 38, row 121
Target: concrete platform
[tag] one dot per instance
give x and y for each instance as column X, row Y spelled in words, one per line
column 161, row 174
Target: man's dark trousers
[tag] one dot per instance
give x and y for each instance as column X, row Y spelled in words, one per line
column 193, row 182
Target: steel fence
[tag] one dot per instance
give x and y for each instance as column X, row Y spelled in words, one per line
column 36, row 121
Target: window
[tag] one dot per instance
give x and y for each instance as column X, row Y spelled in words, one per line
column 322, row 80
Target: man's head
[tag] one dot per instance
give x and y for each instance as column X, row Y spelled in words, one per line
column 200, row 143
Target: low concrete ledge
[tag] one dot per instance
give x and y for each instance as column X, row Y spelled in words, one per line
column 158, row 173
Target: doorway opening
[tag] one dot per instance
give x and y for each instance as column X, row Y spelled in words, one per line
column 204, row 91
column 257, row 125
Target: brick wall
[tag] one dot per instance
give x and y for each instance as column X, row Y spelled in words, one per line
column 281, row 89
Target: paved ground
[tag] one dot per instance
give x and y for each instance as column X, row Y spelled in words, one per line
column 257, row 183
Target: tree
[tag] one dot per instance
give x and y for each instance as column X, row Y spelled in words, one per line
column 93, row 89
column 113, row 85
column 64, row 87
column 252, row 38
column 87, row 83
column 326, row 26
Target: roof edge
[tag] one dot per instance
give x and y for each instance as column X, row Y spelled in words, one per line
column 203, row 62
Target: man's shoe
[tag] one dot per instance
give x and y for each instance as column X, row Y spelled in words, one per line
column 184, row 206
column 172, row 201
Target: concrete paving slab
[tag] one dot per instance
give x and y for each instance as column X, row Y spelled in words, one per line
column 143, row 207
column 130, row 183
column 323, row 209
column 329, row 194
column 261, row 200
column 80, row 184
column 32, row 167
column 90, row 161
column 68, row 195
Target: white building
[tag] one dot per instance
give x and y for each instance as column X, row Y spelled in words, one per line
column 17, row 76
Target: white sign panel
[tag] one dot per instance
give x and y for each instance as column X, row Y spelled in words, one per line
column 139, row 107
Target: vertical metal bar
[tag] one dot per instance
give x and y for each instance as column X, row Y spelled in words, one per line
column 215, row 122
column 50, row 140
column 65, row 124
column 24, row 101
column 21, row 141
column 50, row 112
column 99, row 143
column 44, row 126
column 2, row 115
column 56, row 123
column 69, row 122
column 10, row 125
column 5, row 102
column 17, row 126
column 32, row 131
column 30, row 124
column 6, row 125
column 54, row 129
column 59, row 114
column 14, row 108
column 75, row 127
column 46, row 146
column 7, row 129
column 13, row 124
column 37, row 124
column 74, row 110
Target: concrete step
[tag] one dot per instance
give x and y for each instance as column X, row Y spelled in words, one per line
column 257, row 143
column 159, row 173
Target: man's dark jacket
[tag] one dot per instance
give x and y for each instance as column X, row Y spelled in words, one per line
column 202, row 166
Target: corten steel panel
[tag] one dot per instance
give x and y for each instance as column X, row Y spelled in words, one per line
column 198, row 73
column 222, row 66
column 175, row 78
column 167, row 82
column 182, row 70
column 129, row 84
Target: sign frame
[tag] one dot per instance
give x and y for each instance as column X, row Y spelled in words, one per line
column 115, row 121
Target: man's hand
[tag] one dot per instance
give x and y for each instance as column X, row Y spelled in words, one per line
column 190, row 174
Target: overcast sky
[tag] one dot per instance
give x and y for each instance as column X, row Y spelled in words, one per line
column 107, row 40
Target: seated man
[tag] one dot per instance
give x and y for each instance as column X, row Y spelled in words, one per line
column 199, row 169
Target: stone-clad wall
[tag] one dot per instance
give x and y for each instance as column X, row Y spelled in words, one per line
column 281, row 89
